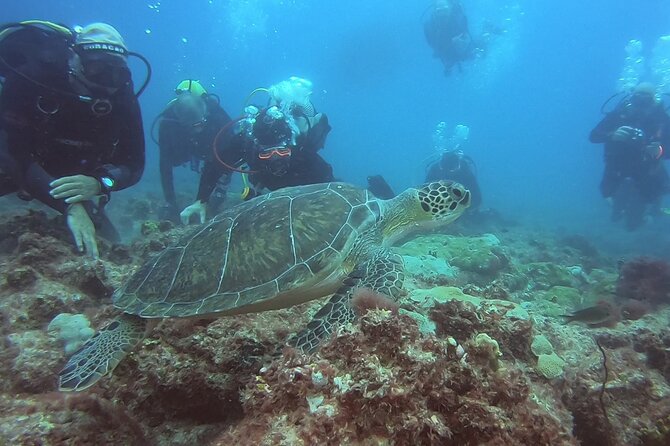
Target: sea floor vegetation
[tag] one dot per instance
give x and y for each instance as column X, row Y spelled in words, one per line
column 506, row 335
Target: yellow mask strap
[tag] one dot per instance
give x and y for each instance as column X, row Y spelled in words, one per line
column 50, row 25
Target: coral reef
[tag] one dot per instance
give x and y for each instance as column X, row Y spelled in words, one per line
column 488, row 350
column 545, row 275
column 481, row 256
column 581, row 244
column 57, row 419
column 656, row 347
column 550, row 365
column 364, row 299
column 541, row 346
column 645, row 279
column 382, row 382
column 72, row 329
column 471, row 355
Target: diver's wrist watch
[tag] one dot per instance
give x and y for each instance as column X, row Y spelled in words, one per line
column 106, row 185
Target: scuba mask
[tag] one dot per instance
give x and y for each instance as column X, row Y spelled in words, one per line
column 639, row 105
column 269, row 152
column 105, row 69
column 451, row 160
column 272, row 137
column 642, row 100
column 191, row 111
column 275, row 159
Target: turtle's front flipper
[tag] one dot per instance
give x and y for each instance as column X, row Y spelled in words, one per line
column 102, row 353
column 383, row 273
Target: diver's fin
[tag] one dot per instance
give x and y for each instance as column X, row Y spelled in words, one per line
column 379, row 187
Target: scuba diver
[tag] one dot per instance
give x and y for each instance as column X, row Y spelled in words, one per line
column 278, row 143
column 636, row 135
column 452, row 164
column 188, row 126
column 456, row 166
column 70, row 124
column 447, row 33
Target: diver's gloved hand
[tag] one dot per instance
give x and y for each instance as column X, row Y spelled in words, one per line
column 198, row 208
column 652, row 151
column 627, row 133
column 169, row 212
column 82, row 229
column 75, row 189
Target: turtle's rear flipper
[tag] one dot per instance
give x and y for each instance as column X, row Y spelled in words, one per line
column 102, row 353
column 383, row 273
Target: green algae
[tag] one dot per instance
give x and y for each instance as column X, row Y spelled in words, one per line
column 439, row 295
column 480, row 254
column 544, row 275
column 426, row 325
column 565, row 296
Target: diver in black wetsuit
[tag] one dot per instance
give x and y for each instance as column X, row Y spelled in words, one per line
column 636, row 135
column 277, row 152
column 70, row 124
column 188, row 127
column 446, row 32
column 454, row 165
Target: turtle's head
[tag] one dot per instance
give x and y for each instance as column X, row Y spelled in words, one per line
column 443, row 201
column 438, row 202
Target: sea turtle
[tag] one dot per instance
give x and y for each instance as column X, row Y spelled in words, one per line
column 278, row 250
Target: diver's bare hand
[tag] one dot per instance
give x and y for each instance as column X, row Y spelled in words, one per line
column 75, row 189
column 198, row 208
column 82, row 229
column 626, row 133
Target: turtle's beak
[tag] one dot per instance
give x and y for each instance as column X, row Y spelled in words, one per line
column 467, row 199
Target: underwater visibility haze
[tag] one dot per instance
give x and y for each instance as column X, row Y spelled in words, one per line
column 528, row 303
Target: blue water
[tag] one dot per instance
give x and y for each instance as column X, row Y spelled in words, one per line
column 530, row 103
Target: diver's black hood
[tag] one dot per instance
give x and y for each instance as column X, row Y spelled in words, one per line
column 268, row 130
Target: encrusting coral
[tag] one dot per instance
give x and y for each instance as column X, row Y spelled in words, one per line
column 550, row 366
column 645, row 279
column 380, row 381
column 383, row 382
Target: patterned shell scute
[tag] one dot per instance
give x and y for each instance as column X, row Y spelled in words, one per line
column 251, row 252
column 186, row 269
